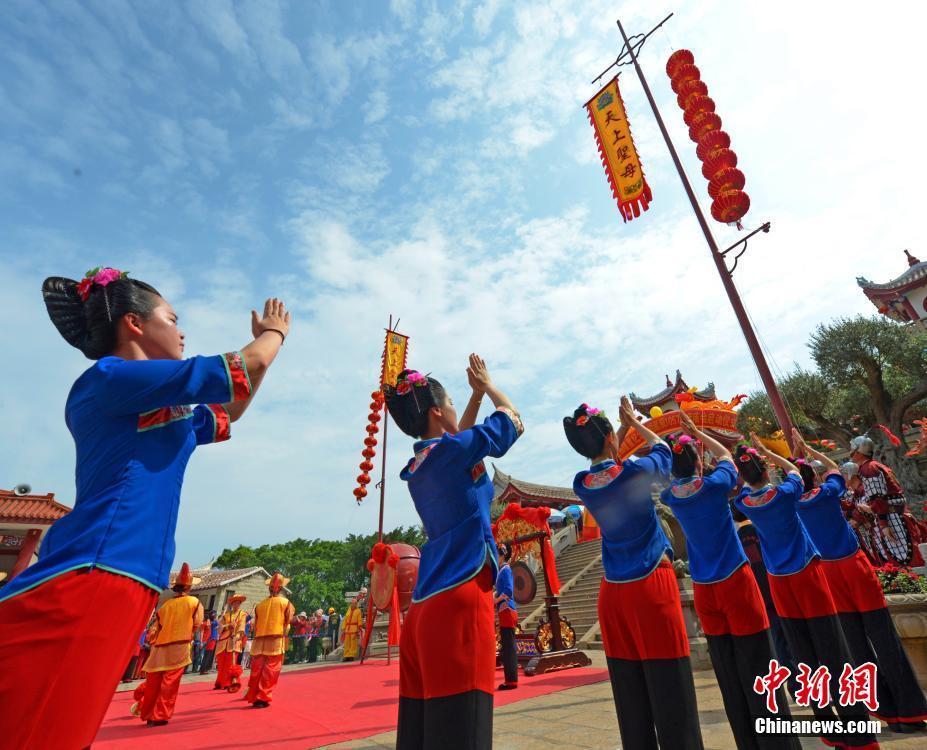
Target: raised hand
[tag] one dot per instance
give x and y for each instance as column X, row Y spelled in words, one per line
column 687, row 423
column 275, row 318
column 626, row 413
column 478, row 375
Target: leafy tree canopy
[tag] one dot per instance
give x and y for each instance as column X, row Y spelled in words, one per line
column 320, row 571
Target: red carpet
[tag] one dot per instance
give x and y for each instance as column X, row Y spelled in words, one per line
column 311, row 708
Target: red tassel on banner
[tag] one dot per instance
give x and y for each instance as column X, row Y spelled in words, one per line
column 893, row 438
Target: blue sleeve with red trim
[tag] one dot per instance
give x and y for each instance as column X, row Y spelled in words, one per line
column 724, row 475
column 792, row 488
column 505, row 582
column 135, row 386
column 211, row 424
column 657, row 462
column 494, row 437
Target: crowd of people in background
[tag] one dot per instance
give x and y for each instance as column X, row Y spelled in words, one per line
column 311, row 637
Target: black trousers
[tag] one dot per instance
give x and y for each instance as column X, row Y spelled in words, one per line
column 509, row 655
column 454, row 722
column 872, row 637
column 655, row 703
column 819, row 641
column 738, row 660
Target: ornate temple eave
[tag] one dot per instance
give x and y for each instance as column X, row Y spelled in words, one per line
column 911, row 278
column 644, row 405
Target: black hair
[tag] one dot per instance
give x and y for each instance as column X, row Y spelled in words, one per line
column 91, row 325
column 506, row 551
column 409, row 410
column 178, row 588
column 749, row 465
column 587, row 438
column 685, row 456
column 736, row 512
column 807, row 473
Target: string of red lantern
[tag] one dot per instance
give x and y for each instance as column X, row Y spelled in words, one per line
column 719, row 163
column 370, row 443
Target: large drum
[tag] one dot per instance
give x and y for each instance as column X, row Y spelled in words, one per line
column 524, row 583
column 406, row 572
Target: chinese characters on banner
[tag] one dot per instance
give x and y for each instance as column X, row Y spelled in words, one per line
column 856, row 685
column 394, row 357
column 616, row 148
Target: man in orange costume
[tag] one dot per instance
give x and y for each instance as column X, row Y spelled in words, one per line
column 271, row 623
column 350, row 636
column 230, row 644
column 171, row 636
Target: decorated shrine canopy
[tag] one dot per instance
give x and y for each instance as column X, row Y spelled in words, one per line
column 903, row 298
column 616, row 149
column 670, row 422
column 516, row 522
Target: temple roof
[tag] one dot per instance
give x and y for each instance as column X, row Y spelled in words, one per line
column 542, row 494
column 645, row 404
column 917, row 271
column 42, row 510
column 211, row 579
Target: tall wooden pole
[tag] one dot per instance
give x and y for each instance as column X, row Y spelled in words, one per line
column 772, row 390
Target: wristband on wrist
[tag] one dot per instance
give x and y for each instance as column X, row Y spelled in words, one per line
column 275, row 330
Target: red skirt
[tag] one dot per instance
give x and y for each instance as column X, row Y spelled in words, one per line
column 643, row 619
column 804, row 594
column 63, row 647
column 853, row 584
column 448, row 643
column 733, row 606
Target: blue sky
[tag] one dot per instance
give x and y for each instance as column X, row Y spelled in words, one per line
column 431, row 161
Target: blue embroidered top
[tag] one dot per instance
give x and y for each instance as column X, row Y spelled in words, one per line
column 618, row 497
column 701, row 505
column 134, row 432
column 820, row 512
column 452, row 493
column 505, row 584
column 784, row 542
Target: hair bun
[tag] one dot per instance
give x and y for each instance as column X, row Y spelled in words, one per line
column 65, row 309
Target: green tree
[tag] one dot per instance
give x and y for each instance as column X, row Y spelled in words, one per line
column 869, row 371
column 320, row 571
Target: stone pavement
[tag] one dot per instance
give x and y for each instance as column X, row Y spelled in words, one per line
column 584, row 717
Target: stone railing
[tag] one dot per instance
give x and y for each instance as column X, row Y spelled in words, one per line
column 909, row 613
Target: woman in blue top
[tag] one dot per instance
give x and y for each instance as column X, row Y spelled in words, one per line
column 640, row 613
column 858, row 596
column 796, row 580
column 447, row 652
column 507, row 610
column 68, row 623
column 727, row 599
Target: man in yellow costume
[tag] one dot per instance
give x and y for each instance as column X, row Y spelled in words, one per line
column 271, row 623
column 230, row 644
column 170, row 636
column 350, row 636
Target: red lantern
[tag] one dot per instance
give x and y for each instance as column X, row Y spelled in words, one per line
column 360, row 493
column 377, row 396
column 689, row 90
column 730, row 206
column 368, row 453
column 684, row 73
column 679, row 57
column 372, row 429
column 704, row 123
column 697, row 105
column 370, row 441
column 724, row 159
column 366, row 466
column 374, row 417
column 363, row 479
column 374, row 406
column 729, row 178
column 712, row 142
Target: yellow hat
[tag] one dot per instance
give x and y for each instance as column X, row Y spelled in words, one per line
column 277, row 581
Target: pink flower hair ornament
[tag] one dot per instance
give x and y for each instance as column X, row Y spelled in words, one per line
column 412, row 377
column 99, row 276
column 748, row 454
column 583, row 419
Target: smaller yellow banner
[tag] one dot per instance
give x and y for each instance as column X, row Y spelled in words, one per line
column 616, row 149
column 394, row 357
